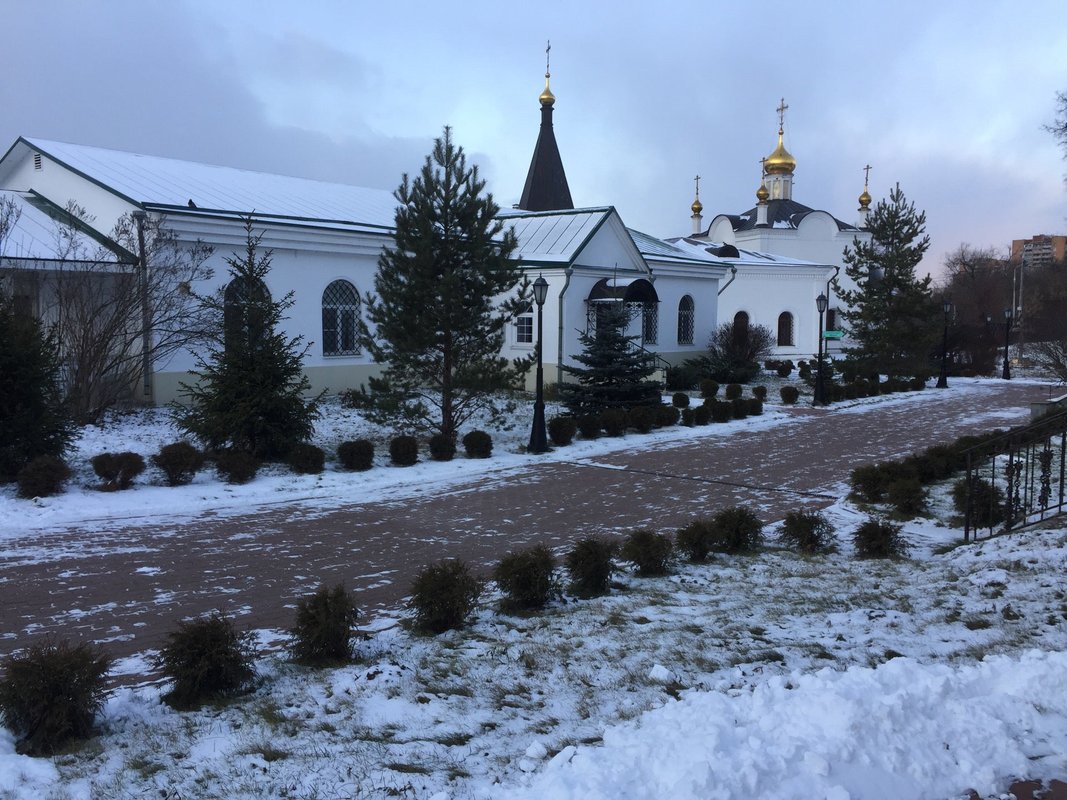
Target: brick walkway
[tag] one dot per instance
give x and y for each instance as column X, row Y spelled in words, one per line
column 129, row 586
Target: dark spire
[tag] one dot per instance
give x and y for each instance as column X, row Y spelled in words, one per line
column 546, row 183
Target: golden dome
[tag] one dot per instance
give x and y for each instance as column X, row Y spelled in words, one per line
column 762, row 194
column 547, row 98
column 865, row 199
column 780, row 162
column 697, row 206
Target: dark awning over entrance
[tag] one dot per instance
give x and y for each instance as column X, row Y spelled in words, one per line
column 608, row 290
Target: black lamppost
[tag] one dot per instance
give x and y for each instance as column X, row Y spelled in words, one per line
column 942, row 379
column 819, row 398
column 538, row 439
column 1006, row 374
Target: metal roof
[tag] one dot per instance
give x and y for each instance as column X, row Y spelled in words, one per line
column 554, row 236
column 34, row 234
column 753, row 258
column 781, row 214
column 151, row 180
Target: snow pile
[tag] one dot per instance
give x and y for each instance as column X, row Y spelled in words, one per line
column 902, row 730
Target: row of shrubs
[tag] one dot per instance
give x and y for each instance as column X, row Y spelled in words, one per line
column 52, row 693
column 47, row 475
column 902, row 483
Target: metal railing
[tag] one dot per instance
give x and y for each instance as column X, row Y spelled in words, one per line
column 1017, row 479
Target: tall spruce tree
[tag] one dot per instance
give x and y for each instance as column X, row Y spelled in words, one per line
column 616, row 373
column 444, row 296
column 892, row 315
column 251, row 391
column 34, row 419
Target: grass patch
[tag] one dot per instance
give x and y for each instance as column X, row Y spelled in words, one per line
column 407, row 769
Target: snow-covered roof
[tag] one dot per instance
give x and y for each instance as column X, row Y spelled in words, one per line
column 723, row 254
column 781, row 214
column 29, row 232
column 171, row 183
column 661, row 250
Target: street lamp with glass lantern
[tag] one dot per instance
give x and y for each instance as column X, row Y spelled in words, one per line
column 942, row 379
column 819, row 399
column 538, row 437
column 1006, row 374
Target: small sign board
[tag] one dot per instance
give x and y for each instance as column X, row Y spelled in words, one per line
column 833, row 334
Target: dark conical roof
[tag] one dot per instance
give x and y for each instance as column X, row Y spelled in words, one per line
column 546, row 183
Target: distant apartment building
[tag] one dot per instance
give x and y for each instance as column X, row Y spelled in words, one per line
column 1038, row 250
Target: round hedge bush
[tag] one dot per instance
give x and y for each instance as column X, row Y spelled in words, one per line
column 561, row 430
column 648, row 551
column 356, row 455
column 306, row 459
column 478, row 444
column 680, row 400
column 789, row 394
column 404, row 450
column 179, row 462
column 442, row 447
column 43, row 477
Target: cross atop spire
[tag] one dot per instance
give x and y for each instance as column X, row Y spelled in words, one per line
column 548, row 50
column 697, row 179
column 782, row 107
column 763, row 166
column 866, row 175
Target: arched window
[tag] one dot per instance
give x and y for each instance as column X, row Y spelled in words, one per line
column 650, row 323
column 340, row 308
column 741, row 328
column 785, row 329
column 686, row 320
column 245, row 312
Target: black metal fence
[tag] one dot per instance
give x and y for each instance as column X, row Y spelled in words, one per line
column 1017, row 479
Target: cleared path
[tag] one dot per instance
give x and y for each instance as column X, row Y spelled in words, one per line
column 129, row 586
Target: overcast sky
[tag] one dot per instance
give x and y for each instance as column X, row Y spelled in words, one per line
column 947, row 98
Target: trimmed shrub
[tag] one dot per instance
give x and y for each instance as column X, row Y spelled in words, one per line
column 236, row 466
column 680, row 400
column 755, row 406
column 179, row 462
column 804, row 371
column 641, row 418
column 738, row 407
column 322, row 634
column 442, row 447
column 708, row 388
column 907, row 496
column 702, row 413
column 589, row 566
column 879, row 538
column 403, row 451
column 917, row 384
column 870, row 483
column 667, row 416
column 683, row 377
column 736, row 530
column 789, row 394
column 614, row 421
column 42, row 477
column 648, row 551
column 809, row 532
column 721, row 411
column 561, row 430
column 527, row 578
column 443, row 596
column 51, row 693
column 759, row 392
column 306, row 459
column 695, row 539
column 206, row 659
column 117, row 470
column 357, row 455
column 784, row 370
column 589, row 426
column 733, row 391
column 688, row 417
column 987, row 502
column 478, row 444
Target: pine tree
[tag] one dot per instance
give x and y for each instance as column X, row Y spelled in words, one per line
column 250, row 392
column 444, row 296
column 892, row 315
column 615, row 374
column 34, row 419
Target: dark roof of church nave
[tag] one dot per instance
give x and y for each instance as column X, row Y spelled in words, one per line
column 780, row 214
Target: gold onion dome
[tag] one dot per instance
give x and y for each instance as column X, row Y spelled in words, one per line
column 547, row 98
column 697, row 206
column 762, row 194
column 865, row 198
column 780, row 162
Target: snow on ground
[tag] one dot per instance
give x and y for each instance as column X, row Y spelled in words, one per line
column 771, row 675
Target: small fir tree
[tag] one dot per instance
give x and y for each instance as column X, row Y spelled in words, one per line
column 251, row 391
column 892, row 314
column 444, row 296
column 34, row 419
column 615, row 373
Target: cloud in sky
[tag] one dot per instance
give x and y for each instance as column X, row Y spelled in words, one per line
column 949, row 99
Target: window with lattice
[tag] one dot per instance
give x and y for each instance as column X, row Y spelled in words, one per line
column 650, row 323
column 785, row 329
column 340, row 310
column 686, row 320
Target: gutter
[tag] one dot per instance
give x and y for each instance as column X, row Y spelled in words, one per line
column 559, row 334
column 733, row 277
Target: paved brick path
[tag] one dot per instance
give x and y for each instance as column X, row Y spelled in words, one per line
column 128, row 586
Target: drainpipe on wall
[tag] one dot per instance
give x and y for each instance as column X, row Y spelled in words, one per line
column 559, row 334
column 733, row 275
column 139, row 217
